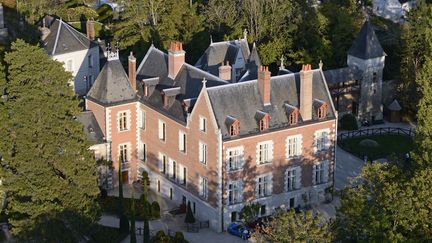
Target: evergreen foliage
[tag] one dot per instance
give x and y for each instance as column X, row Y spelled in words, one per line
column 155, row 210
column 132, row 228
column 349, row 122
column 250, row 212
column 295, row 227
column 189, row 219
column 46, row 168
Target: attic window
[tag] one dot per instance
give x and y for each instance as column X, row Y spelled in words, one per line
column 322, row 111
column 264, row 123
column 235, row 129
column 293, row 117
column 163, row 97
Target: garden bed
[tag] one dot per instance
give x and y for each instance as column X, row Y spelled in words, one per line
column 388, row 144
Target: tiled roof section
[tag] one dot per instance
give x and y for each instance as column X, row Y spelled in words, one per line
column 339, row 75
column 189, row 80
column 219, row 52
column 112, row 85
column 254, row 59
column 91, row 127
column 63, row 38
column 366, row 45
column 242, row 100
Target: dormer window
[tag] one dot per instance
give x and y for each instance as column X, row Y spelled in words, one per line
column 292, row 113
column 263, row 120
column 264, row 124
column 321, row 108
column 233, row 126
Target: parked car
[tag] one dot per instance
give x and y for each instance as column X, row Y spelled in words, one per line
column 239, row 230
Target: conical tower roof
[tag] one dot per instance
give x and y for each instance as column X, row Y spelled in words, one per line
column 366, row 45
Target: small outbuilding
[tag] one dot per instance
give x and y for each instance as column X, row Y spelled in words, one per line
column 394, row 111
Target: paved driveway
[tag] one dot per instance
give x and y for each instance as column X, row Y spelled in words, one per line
column 347, row 167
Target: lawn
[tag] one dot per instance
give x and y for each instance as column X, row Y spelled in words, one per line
column 387, row 145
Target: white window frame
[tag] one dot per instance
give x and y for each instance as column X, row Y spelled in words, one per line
column 294, row 146
column 123, row 121
column 293, row 178
column 163, row 158
column 162, row 130
column 320, row 172
column 235, row 192
column 234, row 158
column 202, row 124
column 264, row 185
column 182, row 175
column 142, row 151
column 182, row 142
column 264, row 152
column 203, row 187
column 142, row 119
column 202, row 153
column 322, row 140
column 125, row 150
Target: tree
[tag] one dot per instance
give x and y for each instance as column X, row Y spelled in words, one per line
column 295, row 227
column 132, row 228
column 46, row 168
column 189, row 219
column 147, row 211
column 390, row 204
column 124, row 221
column 250, row 212
column 417, row 45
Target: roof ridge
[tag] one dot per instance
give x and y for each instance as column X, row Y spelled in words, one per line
column 68, row 27
column 57, row 36
column 206, row 73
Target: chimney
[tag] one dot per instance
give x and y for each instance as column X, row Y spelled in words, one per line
column 90, row 29
column 306, row 75
column 225, row 72
column 176, row 58
column 264, row 84
column 132, row 70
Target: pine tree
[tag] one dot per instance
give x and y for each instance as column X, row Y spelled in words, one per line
column 46, row 167
column 144, row 200
column 132, row 228
column 124, row 221
column 189, row 219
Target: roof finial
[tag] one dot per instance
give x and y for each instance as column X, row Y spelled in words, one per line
column 204, row 82
column 282, row 66
column 211, row 39
column 320, row 64
column 245, row 33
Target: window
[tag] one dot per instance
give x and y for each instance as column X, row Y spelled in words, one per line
column 122, row 121
column 322, row 111
column 293, row 117
column 235, row 158
column 293, row 146
column 142, row 119
column 142, row 152
column 182, row 142
column 123, row 153
column 263, row 210
column 264, row 123
column 322, row 140
column 265, row 152
column 158, row 185
column 202, row 124
column 90, row 61
column 293, row 178
column 69, row 66
column 203, row 187
column 173, row 170
column 171, row 193
column 263, row 186
column 374, row 77
column 202, row 153
column 319, row 173
column 162, row 163
column 194, row 207
column 235, row 129
column 162, row 130
column 184, row 176
column 234, row 192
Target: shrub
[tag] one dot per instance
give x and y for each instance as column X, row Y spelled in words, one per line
column 155, row 210
column 103, row 193
column 161, row 237
column 348, row 122
column 178, row 237
column 189, row 219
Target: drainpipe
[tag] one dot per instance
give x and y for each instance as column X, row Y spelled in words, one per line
column 335, row 151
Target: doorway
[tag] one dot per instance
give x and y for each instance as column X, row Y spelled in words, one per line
column 291, row 202
column 125, row 176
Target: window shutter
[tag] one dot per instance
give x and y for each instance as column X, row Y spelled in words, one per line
column 327, row 140
column 270, row 151
column 299, row 144
column 270, row 184
column 140, row 151
column 170, row 165
column 201, row 154
column 200, row 183
column 180, row 173
column 298, row 183
column 326, row 170
column 160, row 165
column 160, row 130
column 180, row 140
column 313, row 174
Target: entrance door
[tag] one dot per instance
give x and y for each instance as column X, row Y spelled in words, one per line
column 291, row 203
column 125, row 176
column 233, row 216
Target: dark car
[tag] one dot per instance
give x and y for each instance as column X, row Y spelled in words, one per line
column 239, row 230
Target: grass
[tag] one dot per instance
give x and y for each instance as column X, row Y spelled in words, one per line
column 388, row 144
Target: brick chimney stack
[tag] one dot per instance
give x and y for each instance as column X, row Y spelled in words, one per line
column 90, row 29
column 264, row 84
column 225, row 72
column 132, row 70
column 176, row 58
column 306, row 75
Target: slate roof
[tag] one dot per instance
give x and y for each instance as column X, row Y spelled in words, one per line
column 63, row 38
column 91, row 127
column 395, row 106
column 224, row 51
column 242, row 101
column 366, row 45
column 344, row 74
column 112, row 85
column 189, row 80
